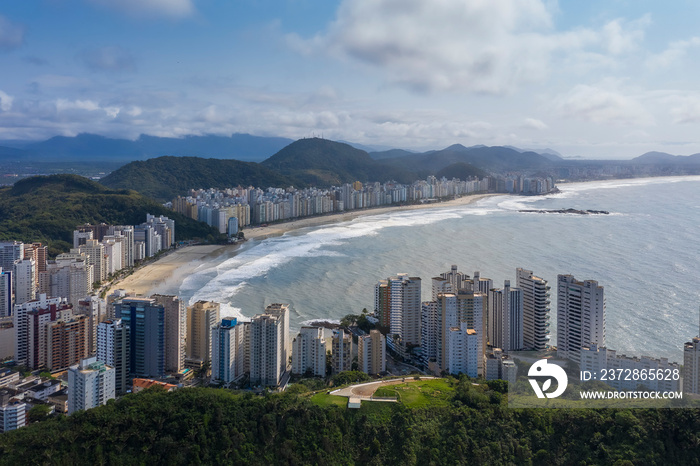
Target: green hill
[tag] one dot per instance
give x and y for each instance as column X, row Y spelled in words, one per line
column 321, row 162
column 164, row 178
column 461, row 170
column 465, row 424
column 48, row 208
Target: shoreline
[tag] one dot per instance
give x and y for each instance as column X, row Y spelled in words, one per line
column 160, row 275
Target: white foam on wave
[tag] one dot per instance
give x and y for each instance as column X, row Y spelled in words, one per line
column 222, row 281
column 615, row 184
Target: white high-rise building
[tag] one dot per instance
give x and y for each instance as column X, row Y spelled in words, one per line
column 70, row 276
column 6, row 293
column 125, row 234
column 371, row 352
column 580, row 316
column 535, row 309
column 228, row 350
column 96, row 257
column 113, row 350
column 90, row 384
column 462, row 351
column 268, row 354
column 309, row 352
column 505, row 323
column 113, row 255
column 25, row 280
column 398, row 303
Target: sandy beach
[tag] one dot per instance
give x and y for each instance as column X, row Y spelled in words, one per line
column 165, row 274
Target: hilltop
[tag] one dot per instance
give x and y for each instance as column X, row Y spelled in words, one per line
column 48, row 208
column 451, row 423
column 322, row 162
column 164, row 178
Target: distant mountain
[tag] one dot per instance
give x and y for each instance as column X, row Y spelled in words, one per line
column 48, row 208
column 12, row 154
column 164, row 178
column 550, row 154
column 237, row 146
column 389, row 154
column 322, row 162
column 667, row 159
column 461, row 170
column 493, row 159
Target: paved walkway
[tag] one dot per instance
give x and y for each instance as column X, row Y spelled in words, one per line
column 364, row 391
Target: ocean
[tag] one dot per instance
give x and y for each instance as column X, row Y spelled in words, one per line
column 645, row 253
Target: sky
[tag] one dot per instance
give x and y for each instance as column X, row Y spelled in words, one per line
column 597, row 79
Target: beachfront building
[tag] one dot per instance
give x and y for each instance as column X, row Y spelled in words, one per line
column 371, row 352
column 95, row 252
column 228, row 350
column 94, row 309
column 309, row 352
column 341, row 351
column 269, row 334
column 202, row 316
column 175, row 331
column 398, row 303
column 580, row 316
column 691, row 366
column 145, row 319
column 90, row 384
column 535, row 309
column 505, row 321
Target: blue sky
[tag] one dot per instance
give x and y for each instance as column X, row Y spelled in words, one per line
column 600, row 79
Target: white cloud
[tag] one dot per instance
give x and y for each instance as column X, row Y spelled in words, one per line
column 149, row 8
column 5, row 102
column 603, row 106
column 675, row 51
column 533, row 123
column 687, row 110
column 11, row 34
column 621, row 36
column 457, row 45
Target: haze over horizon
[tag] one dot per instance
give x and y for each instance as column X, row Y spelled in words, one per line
column 598, row 79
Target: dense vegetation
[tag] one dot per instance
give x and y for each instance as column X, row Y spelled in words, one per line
column 321, row 162
column 165, row 178
column 48, row 208
column 465, row 425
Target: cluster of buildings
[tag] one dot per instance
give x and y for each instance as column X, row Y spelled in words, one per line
column 98, row 251
column 230, row 209
column 470, row 327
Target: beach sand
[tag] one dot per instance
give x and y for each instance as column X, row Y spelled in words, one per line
column 165, row 274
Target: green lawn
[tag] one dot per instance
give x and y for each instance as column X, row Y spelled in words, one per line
column 419, row 393
column 323, row 399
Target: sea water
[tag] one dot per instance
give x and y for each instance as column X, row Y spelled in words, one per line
column 645, row 253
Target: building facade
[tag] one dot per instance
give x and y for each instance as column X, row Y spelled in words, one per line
column 580, row 316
